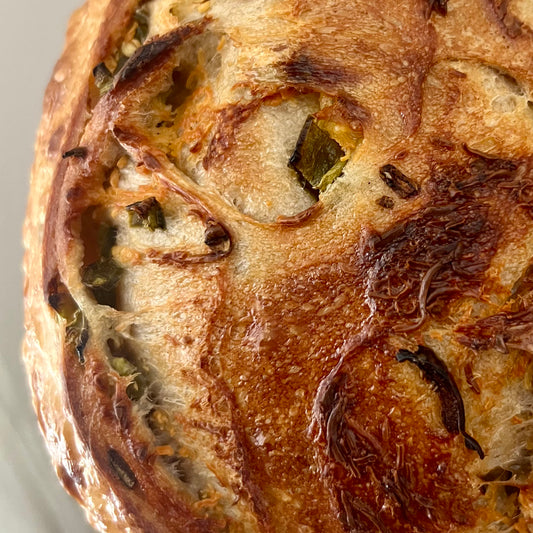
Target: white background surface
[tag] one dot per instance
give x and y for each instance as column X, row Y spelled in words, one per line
column 31, row 39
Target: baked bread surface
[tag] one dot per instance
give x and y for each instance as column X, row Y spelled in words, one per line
column 216, row 344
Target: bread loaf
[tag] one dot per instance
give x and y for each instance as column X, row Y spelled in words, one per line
column 279, row 266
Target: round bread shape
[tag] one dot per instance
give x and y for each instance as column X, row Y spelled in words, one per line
column 279, row 266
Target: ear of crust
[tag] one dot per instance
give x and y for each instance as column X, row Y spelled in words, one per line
column 65, row 113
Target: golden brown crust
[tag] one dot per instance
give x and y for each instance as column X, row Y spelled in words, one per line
column 209, row 347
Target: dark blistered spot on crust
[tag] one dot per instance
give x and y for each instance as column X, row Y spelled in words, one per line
column 105, row 383
column 122, row 469
column 304, row 70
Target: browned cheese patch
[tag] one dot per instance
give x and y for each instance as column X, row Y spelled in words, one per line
column 440, row 253
column 382, row 475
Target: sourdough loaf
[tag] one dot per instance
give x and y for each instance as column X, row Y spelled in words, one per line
column 278, row 265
